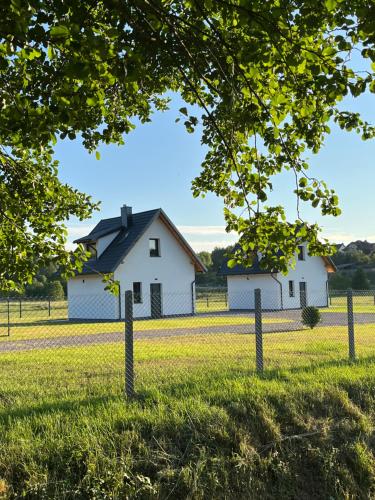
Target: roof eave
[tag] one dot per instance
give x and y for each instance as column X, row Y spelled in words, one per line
column 84, row 240
column 329, row 264
column 244, row 273
column 90, row 239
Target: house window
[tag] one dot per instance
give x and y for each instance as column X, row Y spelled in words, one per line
column 154, row 244
column 301, row 252
column 137, row 292
column 291, row 288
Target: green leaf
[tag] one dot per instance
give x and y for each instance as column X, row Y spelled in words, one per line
column 330, row 5
column 92, row 101
column 50, row 52
column 97, row 155
column 59, row 31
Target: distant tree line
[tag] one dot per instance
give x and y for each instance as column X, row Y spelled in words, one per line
column 356, row 267
column 213, row 261
column 357, row 280
column 47, row 283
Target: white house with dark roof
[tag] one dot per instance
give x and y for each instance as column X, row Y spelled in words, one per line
column 306, row 284
column 147, row 254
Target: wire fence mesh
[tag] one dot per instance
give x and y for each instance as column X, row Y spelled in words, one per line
column 100, row 344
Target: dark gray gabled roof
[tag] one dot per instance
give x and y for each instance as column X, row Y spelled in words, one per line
column 240, row 270
column 112, row 256
column 104, row 227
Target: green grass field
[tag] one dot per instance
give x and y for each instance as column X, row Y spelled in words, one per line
column 40, row 327
column 31, row 317
column 203, row 424
column 160, row 359
column 361, row 304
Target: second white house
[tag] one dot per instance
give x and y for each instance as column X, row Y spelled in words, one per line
column 306, row 284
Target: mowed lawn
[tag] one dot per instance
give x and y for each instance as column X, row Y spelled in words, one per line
column 35, row 322
column 171, row 359
column 40, row 319
column 361, row 304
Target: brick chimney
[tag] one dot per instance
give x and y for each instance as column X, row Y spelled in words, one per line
column 126, row 216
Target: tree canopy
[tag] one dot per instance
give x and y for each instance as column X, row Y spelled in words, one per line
column 360, row 281
column 268, row 77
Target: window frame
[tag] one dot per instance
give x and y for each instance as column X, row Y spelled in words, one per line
column 137, row 296
column 292, row 290
column 157, row 249
column 301, row 253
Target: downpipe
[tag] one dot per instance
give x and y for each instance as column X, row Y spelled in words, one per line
column 281, row 290
column 192, row 298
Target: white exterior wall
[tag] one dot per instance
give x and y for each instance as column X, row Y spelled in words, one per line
column 241, row 291
column 102, row 243
column 174, row 270
column 87, row 299
column 312, row 271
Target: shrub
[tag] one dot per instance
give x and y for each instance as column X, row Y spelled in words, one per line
column 55, row 290
column 311, row 316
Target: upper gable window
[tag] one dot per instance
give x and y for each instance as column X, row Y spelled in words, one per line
column 301, row 252
column 154, row 246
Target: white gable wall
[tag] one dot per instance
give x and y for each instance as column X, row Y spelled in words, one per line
column 241, row 291
column 173, row 269
column 312, row 271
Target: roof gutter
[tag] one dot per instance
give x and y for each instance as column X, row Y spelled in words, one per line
column 281, row 290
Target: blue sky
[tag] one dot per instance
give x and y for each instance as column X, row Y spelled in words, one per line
column 158, row 161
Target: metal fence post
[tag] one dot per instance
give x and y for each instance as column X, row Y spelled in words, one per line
column 20, row 308
column 351, row 325
column 129, row 345
column 49, row 307
column 258, row 330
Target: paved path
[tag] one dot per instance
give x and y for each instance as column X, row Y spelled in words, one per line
column 328, row 319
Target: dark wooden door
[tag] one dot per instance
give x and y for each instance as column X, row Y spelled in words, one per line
column 302, row 294
column 155, row 292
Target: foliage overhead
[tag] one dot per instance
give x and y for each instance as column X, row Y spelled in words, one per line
column 268, row 76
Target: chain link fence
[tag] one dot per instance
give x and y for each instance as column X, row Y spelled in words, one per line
column 104, row 345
